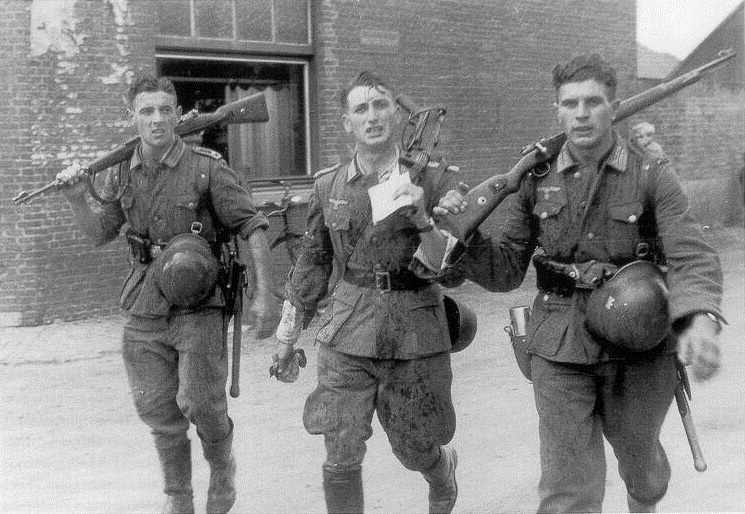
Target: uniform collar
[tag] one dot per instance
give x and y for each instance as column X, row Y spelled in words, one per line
column 617, row 159
column 170, row 159
column 354, row 170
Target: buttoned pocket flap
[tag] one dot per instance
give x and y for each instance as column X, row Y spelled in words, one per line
column 545, row 210
column 626, row 213
column 187, row 202
column 337, row 221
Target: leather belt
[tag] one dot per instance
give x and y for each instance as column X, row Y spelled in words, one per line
column 403, row 280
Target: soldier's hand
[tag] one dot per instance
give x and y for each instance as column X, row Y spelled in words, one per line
column 453, row 202
column 263, row 314
column 73, row 181
column 698, row 346
column 417, row 213
column 286, row 362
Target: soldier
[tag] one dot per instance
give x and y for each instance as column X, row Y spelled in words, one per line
column 642, row 136
column 179, row 202
column 598, row 207
column 385, row 343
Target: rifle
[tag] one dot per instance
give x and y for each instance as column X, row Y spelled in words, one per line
column 682, row 395
column 486, row 196
column 250, row 109
column 234, row 287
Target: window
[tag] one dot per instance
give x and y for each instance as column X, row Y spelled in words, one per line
column 275, row 149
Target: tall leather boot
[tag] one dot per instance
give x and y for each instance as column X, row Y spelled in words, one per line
column 639, row 506
column 343, row 491
column 219, row 455
column 443, row 489
column 176, row 464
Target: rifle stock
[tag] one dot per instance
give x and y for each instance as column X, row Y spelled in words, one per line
column 486, row 196
column 250, row 109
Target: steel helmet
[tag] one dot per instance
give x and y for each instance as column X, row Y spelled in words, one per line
column 461, row 324
column 630, row 311
column 187, row 270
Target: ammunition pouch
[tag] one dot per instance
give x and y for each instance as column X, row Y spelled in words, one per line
column 564, row 279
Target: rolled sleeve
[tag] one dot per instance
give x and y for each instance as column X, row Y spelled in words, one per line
column 111, row 214
column 694, row 273
column 233, row 204
column 310, row 277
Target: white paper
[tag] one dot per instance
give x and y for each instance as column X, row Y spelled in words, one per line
column 382, row 200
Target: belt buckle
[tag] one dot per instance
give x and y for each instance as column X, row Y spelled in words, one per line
column 383, row 280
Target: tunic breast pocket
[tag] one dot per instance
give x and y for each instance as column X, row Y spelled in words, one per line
column 337, row 220
column 623, row 230
column 184, row 213
column 550, row 216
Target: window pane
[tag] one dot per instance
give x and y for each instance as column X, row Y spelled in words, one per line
column 254, row 20
column 292, row 21
column 214, row 18
column 276, row 148
column 174, row 17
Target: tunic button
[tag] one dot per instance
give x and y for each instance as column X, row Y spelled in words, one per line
column 333, row 224
column 204, row 176
column 590, row 235
column 544, row 215
column 545, row 297
column 577, row 174
column 156, row 218
column 632, row 218
column 191, row 205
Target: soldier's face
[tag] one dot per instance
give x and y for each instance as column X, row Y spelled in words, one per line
column 586, row 113
column 644, row 137
column 371, row 116
column 155, row 115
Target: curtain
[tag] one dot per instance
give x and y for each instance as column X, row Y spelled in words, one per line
column 264, row 150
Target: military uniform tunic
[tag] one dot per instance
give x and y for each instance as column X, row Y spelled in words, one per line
column 176, row 359
column 384, row 352
column 584, row 392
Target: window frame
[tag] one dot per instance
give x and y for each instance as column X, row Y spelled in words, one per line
column 306, row 71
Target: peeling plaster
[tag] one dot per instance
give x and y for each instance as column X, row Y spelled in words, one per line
column 53, row 28
column 121, row 73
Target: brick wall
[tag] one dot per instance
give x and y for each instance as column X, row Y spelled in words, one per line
column 702, row 129
column 488, row 62
column 64, row 92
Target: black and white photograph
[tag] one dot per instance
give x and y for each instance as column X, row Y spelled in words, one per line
column 372, row 256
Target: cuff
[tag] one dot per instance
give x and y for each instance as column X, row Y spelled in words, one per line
column 258, row 221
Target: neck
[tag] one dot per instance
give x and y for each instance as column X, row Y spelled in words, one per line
column 372, row 161
column 151, row 155
column 595, row 154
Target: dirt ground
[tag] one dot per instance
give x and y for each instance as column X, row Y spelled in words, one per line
column 70, row 440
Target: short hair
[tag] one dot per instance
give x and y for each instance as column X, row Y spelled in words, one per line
column 149, row 84
column 364, row 78
column 586, row 67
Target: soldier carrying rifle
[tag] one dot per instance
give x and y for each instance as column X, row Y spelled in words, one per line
column 602, row 352
column 180, row 204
